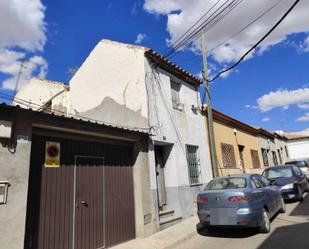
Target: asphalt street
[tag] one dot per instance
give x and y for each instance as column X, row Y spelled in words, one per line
column 289, row 231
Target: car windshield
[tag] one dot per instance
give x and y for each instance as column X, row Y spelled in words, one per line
column 300, row 164
column 278, row 172
column 227, row 183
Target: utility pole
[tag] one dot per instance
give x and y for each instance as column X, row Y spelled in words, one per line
column 211, row 134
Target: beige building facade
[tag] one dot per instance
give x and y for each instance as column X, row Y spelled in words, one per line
column 237, row 146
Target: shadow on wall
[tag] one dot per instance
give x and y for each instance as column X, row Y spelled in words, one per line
column 112, row 112
column 289, row 237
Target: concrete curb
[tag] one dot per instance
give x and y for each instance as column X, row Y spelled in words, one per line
column 180, row 241
column 166, row 239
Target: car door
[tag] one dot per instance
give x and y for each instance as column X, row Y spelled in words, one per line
column 301, row 178
column 274, row 192
column 272, row 196
column 264, row 193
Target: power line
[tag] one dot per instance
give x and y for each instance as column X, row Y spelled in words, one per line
column 206, row 25
column 222, row 12
column 31, row 104
column 247, row 26
column 257, row 44
column 238, row 32
column 210, row 9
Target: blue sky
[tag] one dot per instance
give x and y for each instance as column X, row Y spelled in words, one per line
column 270, row 89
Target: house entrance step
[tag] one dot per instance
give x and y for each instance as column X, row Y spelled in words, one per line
column 166, row 213
column 169, row 221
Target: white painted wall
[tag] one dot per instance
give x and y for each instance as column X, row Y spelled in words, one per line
column 37, row 92
column 298, row 149
column 110, row 85
column 179, row 128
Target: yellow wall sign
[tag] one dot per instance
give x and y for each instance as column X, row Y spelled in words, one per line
column 52, row 154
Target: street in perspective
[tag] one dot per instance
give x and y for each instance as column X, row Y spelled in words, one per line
column 151, row 124
column 287, row 232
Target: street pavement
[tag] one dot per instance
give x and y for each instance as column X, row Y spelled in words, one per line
column 289, row 231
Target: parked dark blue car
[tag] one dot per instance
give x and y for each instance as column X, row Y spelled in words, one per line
column 290, row 179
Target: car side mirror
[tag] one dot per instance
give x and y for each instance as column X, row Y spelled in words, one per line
column 272, row 183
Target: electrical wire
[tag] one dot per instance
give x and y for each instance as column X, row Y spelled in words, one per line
column 222, row 12
column 197, row 22
column 247, row 26
column 206, row 25
column 236, row 33
column 31, row 104
column 256, row 45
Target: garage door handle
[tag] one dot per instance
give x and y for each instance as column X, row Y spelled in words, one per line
column 84, row 203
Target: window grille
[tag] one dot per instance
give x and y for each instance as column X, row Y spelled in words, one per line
column 280, row 158
column 275, row 160
column 255, row 159
column 228, row 155
column 286, row 151
column 265, row 157
column 193, row 162
column 175, row 89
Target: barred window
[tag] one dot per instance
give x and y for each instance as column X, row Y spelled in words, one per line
column 275, row 160
column 286, row 151
column 193, row 162
column 175, row 88
column 228, row 156
column 255, row 159
column 265, row 157
column 280, row 157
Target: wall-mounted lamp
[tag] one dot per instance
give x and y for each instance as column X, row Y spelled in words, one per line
column 4, row 189
column 235, row 131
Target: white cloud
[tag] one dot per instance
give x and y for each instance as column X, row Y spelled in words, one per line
column 22, row 24
column 266, row 119
column 283, row 98
column 251, row 106
column 136, row 5
column 182, row 14
column 303, row 106
column 303, row 118
column 140, row 38
column 305, row 45
column 22, row 37
column 34, row 65
column 305, row 131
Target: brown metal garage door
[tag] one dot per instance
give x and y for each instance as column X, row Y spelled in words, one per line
column 87, row 202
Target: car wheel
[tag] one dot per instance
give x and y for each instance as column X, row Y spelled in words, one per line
column 299, row 194
column 307, row 186
column 283, row 207
column 265, row 224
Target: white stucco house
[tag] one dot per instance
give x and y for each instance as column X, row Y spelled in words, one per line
column 298, row 146
column 40, row 94
column 134, row 86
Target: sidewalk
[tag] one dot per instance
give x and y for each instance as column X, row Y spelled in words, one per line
column 166, row 239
